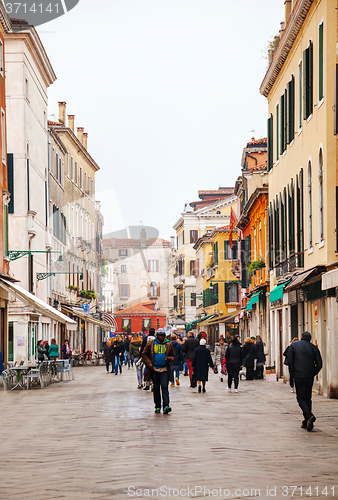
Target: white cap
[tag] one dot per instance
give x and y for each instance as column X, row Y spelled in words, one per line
column 203, row 342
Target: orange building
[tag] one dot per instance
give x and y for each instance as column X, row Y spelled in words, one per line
column 252, row 189
column 139, row 317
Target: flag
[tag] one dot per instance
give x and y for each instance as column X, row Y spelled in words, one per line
column 233, row 222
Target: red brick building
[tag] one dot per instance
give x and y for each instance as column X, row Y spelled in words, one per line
column 139, row 317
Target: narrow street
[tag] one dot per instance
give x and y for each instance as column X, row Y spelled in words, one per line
column 98, row 438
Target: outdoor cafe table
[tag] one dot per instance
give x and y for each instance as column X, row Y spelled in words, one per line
column 19, row 372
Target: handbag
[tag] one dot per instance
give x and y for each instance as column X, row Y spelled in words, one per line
column 215, row 370
column 224, row 367
column 193, row 381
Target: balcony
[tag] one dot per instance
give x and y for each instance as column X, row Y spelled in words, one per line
column 295, row 261
column 210, row 273
column 178, row 282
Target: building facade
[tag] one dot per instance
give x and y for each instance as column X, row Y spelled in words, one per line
column 136, row 271
column 299, row 87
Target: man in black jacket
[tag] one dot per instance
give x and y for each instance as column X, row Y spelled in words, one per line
column 189, row 347
column 304, row 362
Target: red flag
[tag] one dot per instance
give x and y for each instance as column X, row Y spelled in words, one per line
column 233, row 222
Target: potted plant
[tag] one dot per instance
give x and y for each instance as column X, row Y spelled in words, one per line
column 256, row 265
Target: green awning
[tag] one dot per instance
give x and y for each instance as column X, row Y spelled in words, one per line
column 277, row 293
column 253, row 300
column 190, row 325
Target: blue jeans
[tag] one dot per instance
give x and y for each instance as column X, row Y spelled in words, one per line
column 185, row 368
column 118, row 364
column 176, row 370
column 138, row 372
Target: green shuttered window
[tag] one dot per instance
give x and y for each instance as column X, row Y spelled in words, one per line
column 308, row 81
column 270, row 142
column 321, row 62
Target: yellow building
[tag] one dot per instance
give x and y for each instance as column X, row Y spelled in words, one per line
column 221, row 285
column 299, row 86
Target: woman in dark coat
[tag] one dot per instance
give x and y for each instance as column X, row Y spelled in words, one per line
column 107, row 356
column 233, row 355
column 249, row 357
column 200, row 363
column 259, row 357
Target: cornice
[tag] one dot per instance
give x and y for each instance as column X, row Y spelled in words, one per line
column 291, row 31
column 245, row 215
column 37, row 50
column 66, row 130
column 4, row 19
column 57, row 139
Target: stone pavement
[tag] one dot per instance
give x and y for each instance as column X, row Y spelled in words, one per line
column 98, row 438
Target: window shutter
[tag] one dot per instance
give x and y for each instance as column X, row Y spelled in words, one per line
column 158, row 290
column 237, row 292
column 225, row 250
column 10, row 176
column 285, row 119
column 235, row 250
column 148, row 290
column 270, row 142
column 197, row 268
column 157, row 266
column 281, row 140
column 335, row 123
column 226, row 292
column 183, row 236
column 292, row 109
column 321, row 62
column 305, row 92
column 310, row 49
column 175, row 301
column 148, row 266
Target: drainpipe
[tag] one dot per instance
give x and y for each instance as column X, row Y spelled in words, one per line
column 253, row 158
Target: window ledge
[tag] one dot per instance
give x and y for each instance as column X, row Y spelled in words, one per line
column 310, row 251
column 309, row 118
column 291, row 143
column 321, row 244
column 300, row 130
column 320, row 103
column 276, row 163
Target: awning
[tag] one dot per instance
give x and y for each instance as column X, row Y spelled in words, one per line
column 190, row 325
column 38, row 304
column 226, row 318
column 109, row 319
column 253, row 300
column 86, row 317
column 277, row 293
column 301, row 278
column 207, row 319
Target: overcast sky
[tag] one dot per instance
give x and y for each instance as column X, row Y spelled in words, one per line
column 168, row 91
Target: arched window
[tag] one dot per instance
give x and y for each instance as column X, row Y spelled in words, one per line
column 309, row 203
column 321, row 195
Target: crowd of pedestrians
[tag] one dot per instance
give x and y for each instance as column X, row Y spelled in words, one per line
column 159, row 361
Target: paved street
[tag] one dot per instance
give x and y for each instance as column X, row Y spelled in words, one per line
column 98, row 436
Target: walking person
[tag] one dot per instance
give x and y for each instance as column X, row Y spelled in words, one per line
column 135, row 353
column 234, row 358
column 189, row 347
column 148, row 381
column 157, row 356
column 219, row 356
column 200, row 363
column 126, row 351
column 176, row 365
column 305, row 362
column 285, row 354
column 259, row 358
column 65, row 349
column 53, row 350
column 116, row 350
column 107, row 355
column 249, row 357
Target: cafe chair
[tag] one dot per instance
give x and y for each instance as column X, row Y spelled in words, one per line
column 35, row 374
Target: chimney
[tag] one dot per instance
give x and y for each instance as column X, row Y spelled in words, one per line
column 80, row 134
column 71, row 120
column 282, row 29
column 85, row 140
column 62, row 113
column 288, row 9
column 172, row 238
column 143, row 236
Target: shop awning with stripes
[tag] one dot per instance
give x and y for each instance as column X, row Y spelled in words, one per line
column 253, row 300
column 277, row 293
